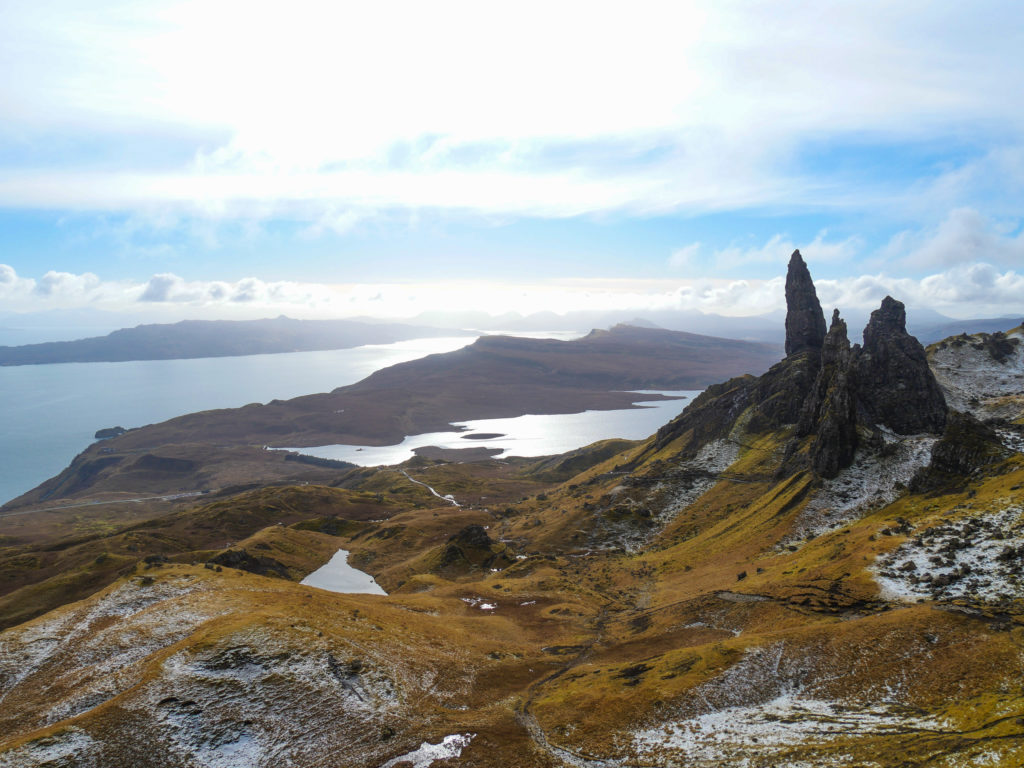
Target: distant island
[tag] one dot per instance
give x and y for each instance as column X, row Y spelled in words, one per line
column 218, row 338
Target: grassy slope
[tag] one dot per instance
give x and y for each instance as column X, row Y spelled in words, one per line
column 619, row 617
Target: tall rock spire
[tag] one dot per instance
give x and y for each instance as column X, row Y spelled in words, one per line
column 830, row 410
column 805, row 322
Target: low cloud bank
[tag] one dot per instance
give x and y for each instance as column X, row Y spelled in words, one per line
column 969, row 290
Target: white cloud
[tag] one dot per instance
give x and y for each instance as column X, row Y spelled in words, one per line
column 303, row 113
column 970, row 290
column 775, row 251
column 973, row 290
column 67, row 284
column 964, row 236
column 162, row 287
column 779, row 248
column 684, row 258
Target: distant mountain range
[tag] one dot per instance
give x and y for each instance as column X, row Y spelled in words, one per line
column 217, row 338
column 927, row 325
column 225, row 338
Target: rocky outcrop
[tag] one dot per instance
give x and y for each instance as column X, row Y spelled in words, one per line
column 966, row 446
column 846, row 397
column 830, row 410
column 472, row 548
column 895, row 386
column 805, row 322
column 861, row 392
column 245, row 561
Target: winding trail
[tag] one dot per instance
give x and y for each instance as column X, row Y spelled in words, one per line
column 449, row 498
column 527, row 719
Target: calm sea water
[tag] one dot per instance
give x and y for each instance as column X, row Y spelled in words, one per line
column 49, row 413
column 529, row 435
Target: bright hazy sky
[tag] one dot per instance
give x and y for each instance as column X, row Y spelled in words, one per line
column 211, row 158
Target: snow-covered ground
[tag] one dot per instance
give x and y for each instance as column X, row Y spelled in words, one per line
column 974, row 381
column 713, row 459
column 749, row 735
column 70, row 747
column 111, row 652
column 980, row 557
column 872, row 481
column 682, row 485
column 761, row 708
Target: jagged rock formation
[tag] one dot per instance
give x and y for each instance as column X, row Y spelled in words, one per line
column 805, row 322
column 779, row 393
column 884, row 384
column 896, row 387
column 831, row 409
column 846, row 397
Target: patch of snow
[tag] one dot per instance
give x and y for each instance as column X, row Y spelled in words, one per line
column 747, row 735
column 448, row 748
column 774, row 699
column 106, row 659
column 1011, row 438
column 872, row 481
column 704, row 468
column 69, row 747
column 254, row 700
column 682, row 485
column 716, row 456
column 478, row 602
column 336, row 575
column 980, row 557
column 973, row 381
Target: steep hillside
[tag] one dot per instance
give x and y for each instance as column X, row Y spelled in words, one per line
column 819, row 566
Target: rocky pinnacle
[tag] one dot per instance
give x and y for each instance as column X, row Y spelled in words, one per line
column 805, row 322
column 830, row 410
column 894, row 382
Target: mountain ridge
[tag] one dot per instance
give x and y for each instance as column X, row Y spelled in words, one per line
column 189, row 339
